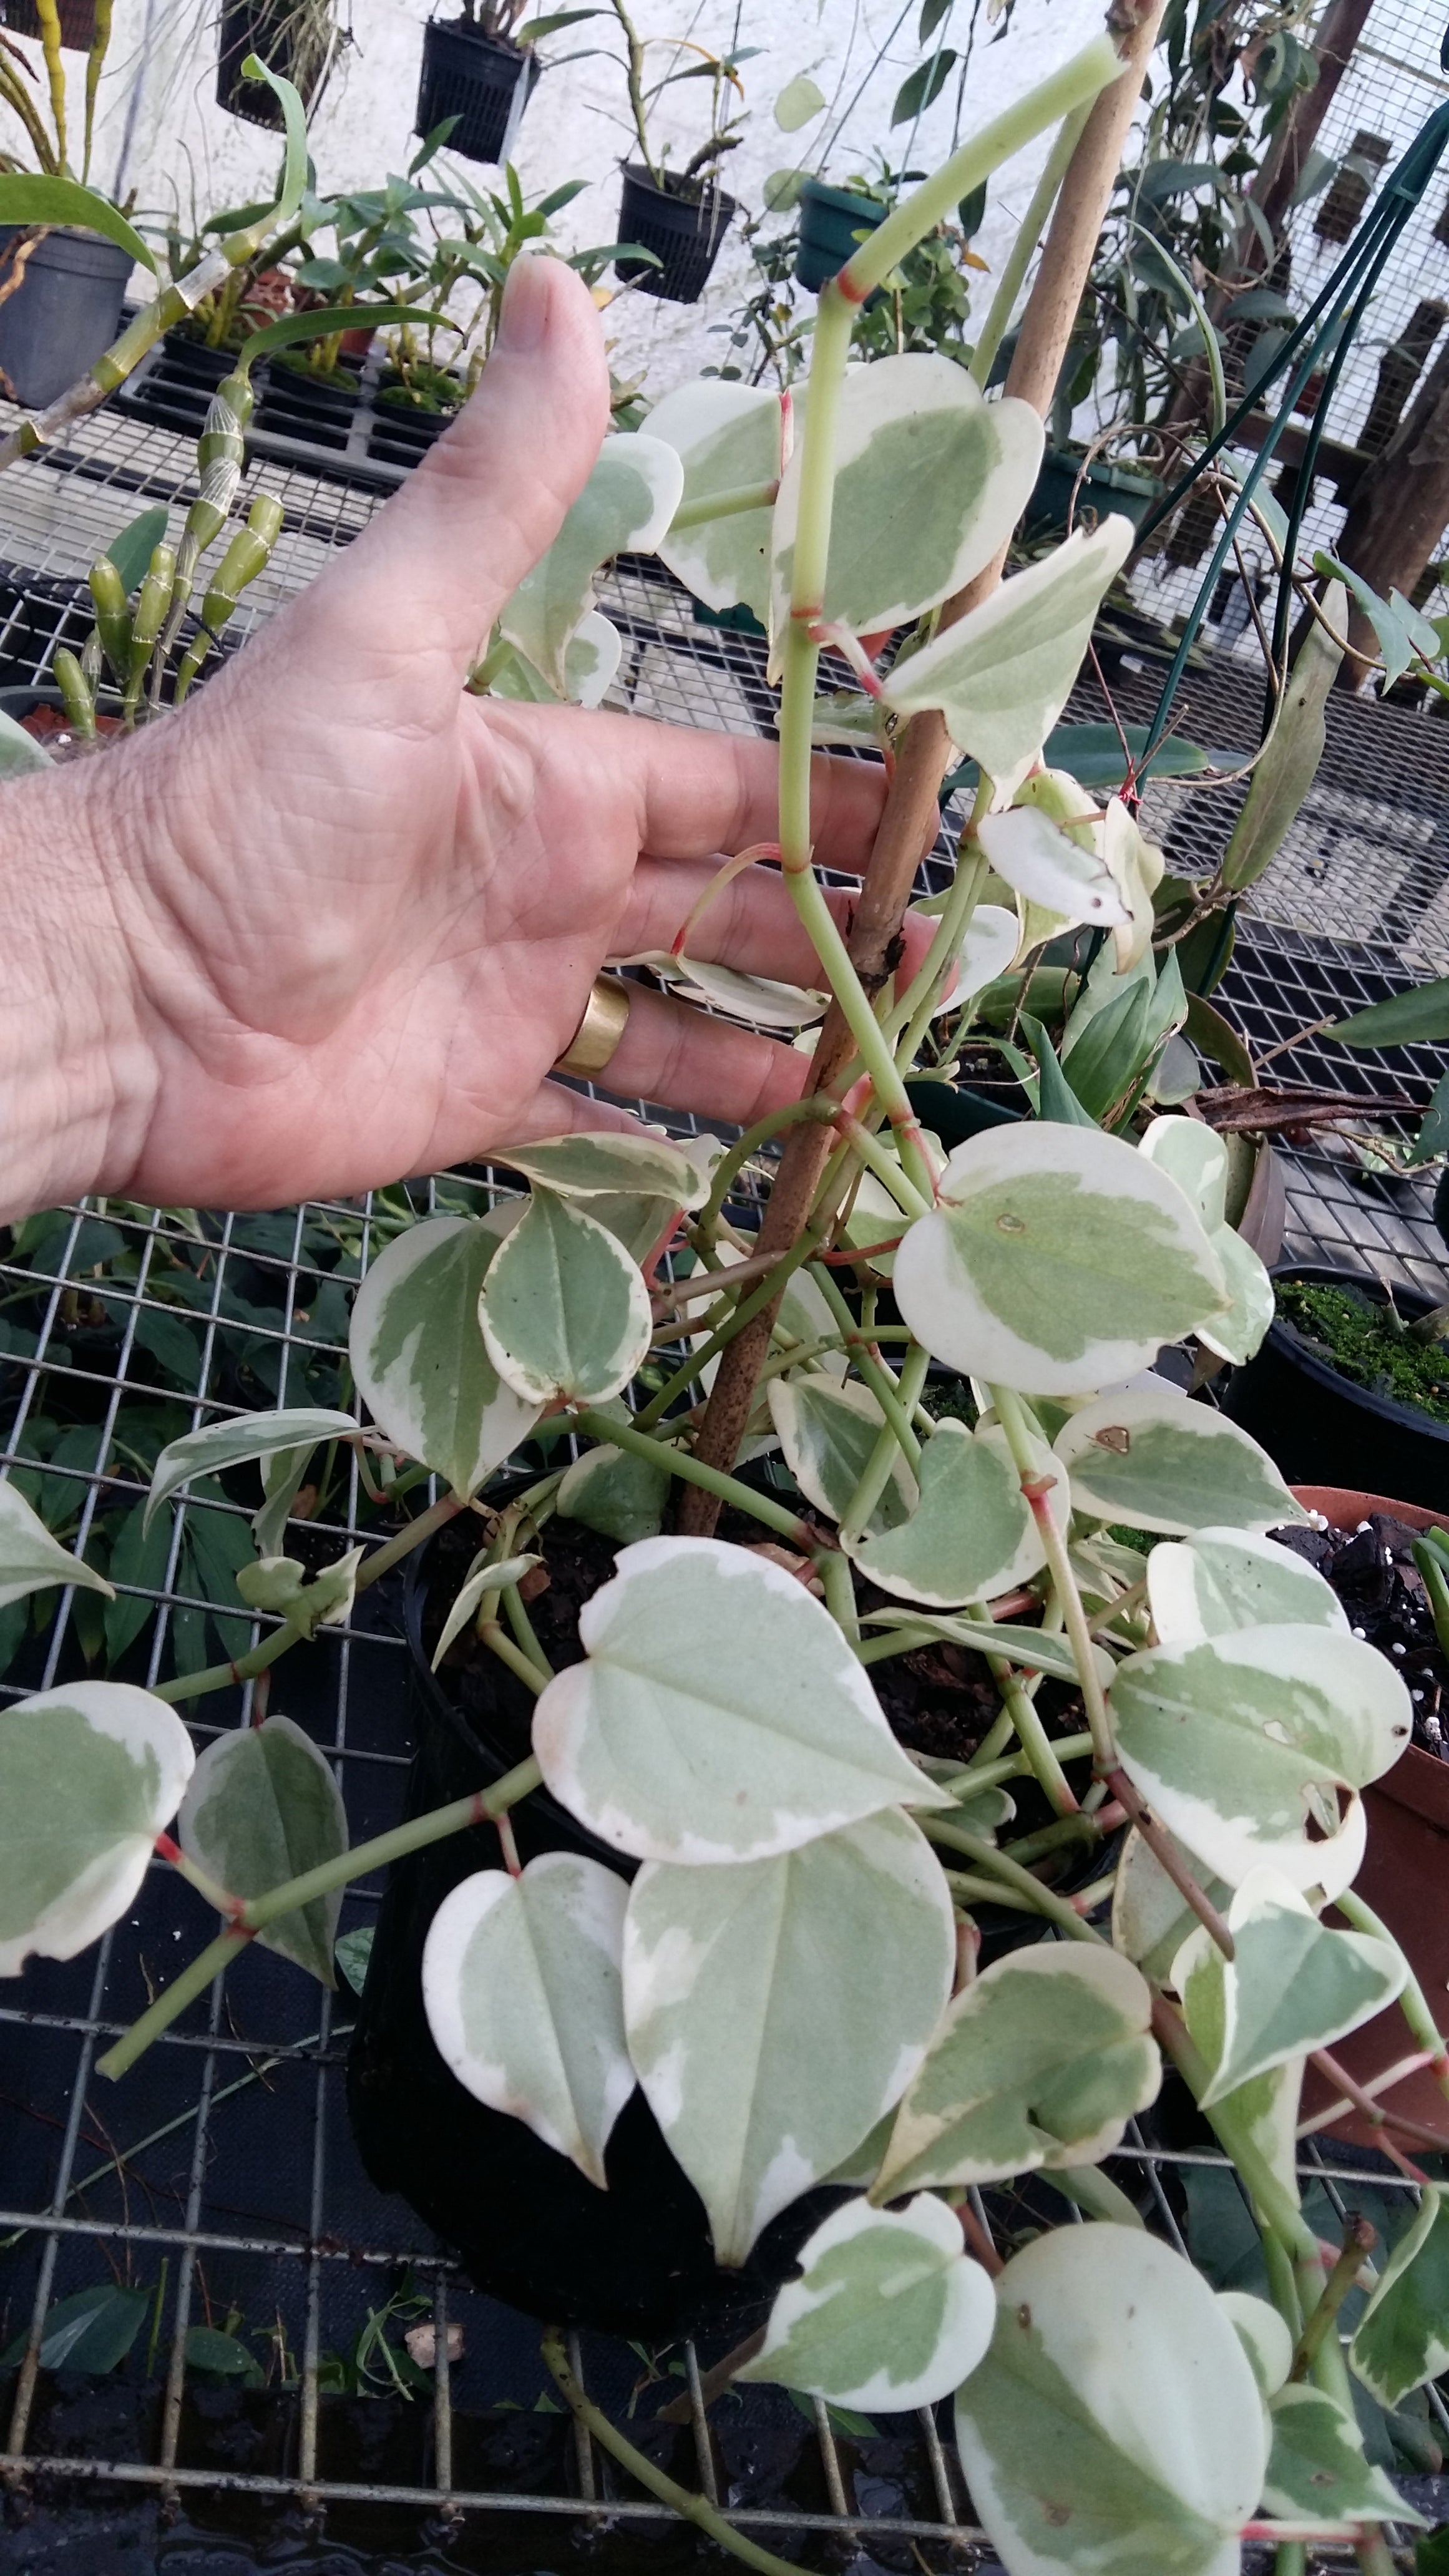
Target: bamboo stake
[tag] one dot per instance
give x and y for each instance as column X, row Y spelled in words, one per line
column 909, row 822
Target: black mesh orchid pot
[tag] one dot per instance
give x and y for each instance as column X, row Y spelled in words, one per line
column 482, row 80
column 682, row 221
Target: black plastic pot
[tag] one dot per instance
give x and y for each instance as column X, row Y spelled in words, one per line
column 66, row 310
column 190, row 357
column 635, row 2260
column 830, row 220
column 299, row 50
column 483, row 81
column 683, row 226
column 77, row 22
column 1321, row 1429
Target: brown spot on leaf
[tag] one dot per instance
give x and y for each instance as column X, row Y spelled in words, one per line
column 1113, row 1436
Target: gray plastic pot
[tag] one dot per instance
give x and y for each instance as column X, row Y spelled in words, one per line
column 64, row 313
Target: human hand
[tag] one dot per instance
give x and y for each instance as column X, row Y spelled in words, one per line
column 337, row 919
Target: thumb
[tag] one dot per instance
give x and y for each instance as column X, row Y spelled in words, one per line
column 432, row 571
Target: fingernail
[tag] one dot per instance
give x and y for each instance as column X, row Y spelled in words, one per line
column 525, row 306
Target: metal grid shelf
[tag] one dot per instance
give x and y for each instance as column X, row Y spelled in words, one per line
column 236, row 2188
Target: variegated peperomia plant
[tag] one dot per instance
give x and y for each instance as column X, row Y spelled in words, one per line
column 792, row 1974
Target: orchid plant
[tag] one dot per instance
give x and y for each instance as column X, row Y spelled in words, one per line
column 792, row 1975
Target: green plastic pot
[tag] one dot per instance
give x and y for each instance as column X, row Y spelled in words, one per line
column 830, row 219
column 1104, row 488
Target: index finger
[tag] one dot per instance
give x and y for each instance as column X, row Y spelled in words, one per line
column 697, row 793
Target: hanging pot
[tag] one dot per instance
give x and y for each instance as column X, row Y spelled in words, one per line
column 65, row 311
column 298, row 48
column 1312, row 1422
column 482, row 80
column 831, row 220
column 77, row 22
column 683, row 224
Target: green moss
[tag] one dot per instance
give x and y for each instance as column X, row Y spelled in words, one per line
column 1358, row 1337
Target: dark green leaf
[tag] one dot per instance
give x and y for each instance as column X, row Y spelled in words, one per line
column 1418, row 1017
column 1108, row 1055
column 208, row 2349
column 73, row 1459
column 171, row 1342
column 132, row 550
column 924, row 84
column 932, row 13
column 295, row 329
column 1431, row 2555
column 27, row 198
column 971, row 211
column 352, row 1954
column 1174, row 178
column 138, row 1556
column 14, row 1620
column 536, row 29
column 1433, row 1137
column 1261, row 304
column 93, row 2330
column 1214, row 1036
column 1059, row 1103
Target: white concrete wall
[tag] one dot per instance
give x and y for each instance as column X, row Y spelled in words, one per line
column 158, row 111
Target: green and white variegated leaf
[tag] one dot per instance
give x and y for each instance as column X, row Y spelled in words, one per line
column 626, row 505
column 1115, row 2423
column 524, row 1997
column 987, row 948
column 30, row 1559
column 1033, row 1650
column 727, row 438
column 1317, row 2471
column 930, row 479
column 1402, row 2338
column 282, row 1476
column 805, row 1317
column 1157, row 1461
column 20, row 753
column 605, row 1165
column 565, row 1312
column 591, row 659
column 970, row 1536
column 828, row 1433
column 672, row 1743
column 777, row 2008
column 765, row 1004
column 615, row 1493
column 419, row 1358
column 1050, row 868
column 1198, row 1162
column 1150, row 1919
column 248, row 1435
column 889, row 2310
column 262, row 1806
column 481, row 1577
column 1055, row 1260
column 1002, row 676
column 1292, row 1985
column 1220, row 1580
column 1040, row 2062
column 1238, row 1743
column 642, row 1225
column 90, row 1774
column 1264, row 2336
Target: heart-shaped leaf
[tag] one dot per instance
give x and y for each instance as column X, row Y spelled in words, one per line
column 626, row 504
column 930, row 479
column 599, row 1166
column 888, row 2311
column 828, row 1433
column 1264, row 2336
column 565, row 1312
column 1402, row 2338
column 71, row 1863
column 1003, row 674
column 1150, row 1918
column 988, row 945
column 1056, row 1260
column 30, row 1559
column 419, row 1358
column 521, row 1985
column 727, row 438
column 1292, row 1985
column 1198, row 1161
column 1115, row 2423
column 1239, row 1743
column 263, row 1806
column 616, row 1493
column 1317, row 2471
column 776, row 2009
column 971, row 1535
column 1040, row 2062
column 1160, row 1462
column 1049, row 867
column 1224, row 1579
column 720, row 1714
column 248, row 1435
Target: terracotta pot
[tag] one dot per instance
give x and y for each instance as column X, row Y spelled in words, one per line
column 1404, row 1878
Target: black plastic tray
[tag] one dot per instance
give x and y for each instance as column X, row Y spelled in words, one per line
column 354, row 439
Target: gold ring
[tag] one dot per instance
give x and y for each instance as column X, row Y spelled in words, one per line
column 596, row 1039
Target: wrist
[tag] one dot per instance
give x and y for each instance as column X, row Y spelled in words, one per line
column 76, row 1076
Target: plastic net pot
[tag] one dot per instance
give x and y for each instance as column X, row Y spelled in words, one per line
column 297, row 47
column 77, row 22
column 485, row 83
column 683, row 228
column 66, row 310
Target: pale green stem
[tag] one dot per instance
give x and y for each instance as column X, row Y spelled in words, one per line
column 999, row 1733
column 911, row 1201
column 694, row 2508
column 918, row 1007
column 1028, row 233
column 976, row 1775
column 994, row 1864
column 436, row 1517
column 1035, row 1743
column 1088, row 2188
column 881, row 1383
column 724, row 505
column 818, row 1110
column 499, row 1643
column 1075, row 85
column 887, row 1448
column 223, row 1676
column 1018, row 1439
column 678, row 1462
column 204, row 1884
column 733, row 1322
column 259, row 1911
column 522, row 1626
column 1414, row 2004
column 834, row 1572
